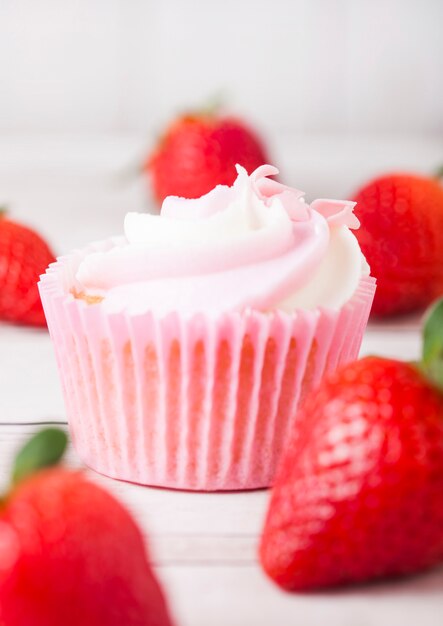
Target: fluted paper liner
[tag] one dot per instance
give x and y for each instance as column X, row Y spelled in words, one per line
column 190, row 403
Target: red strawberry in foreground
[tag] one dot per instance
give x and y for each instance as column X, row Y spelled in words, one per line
column 401, row 235
column 69, row 552
column 199, row 152
column 359, row 493
column 23, row 257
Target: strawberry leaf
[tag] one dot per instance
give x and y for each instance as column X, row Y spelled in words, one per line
column 432, row 358
column 44, row 449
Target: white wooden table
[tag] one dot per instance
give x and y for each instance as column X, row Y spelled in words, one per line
column 203, row 545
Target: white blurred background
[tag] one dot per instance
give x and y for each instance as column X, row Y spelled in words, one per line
column 340, row 89
column 294, row 65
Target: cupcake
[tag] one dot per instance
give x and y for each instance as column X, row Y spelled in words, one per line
column 186, row 346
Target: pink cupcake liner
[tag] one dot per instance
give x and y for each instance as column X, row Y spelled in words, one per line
column 196, row 403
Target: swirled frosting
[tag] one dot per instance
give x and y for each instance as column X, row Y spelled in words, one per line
column 256, row 245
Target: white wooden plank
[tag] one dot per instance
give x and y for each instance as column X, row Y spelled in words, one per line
column 396, row 344
column 29, row 384
column 243, row 596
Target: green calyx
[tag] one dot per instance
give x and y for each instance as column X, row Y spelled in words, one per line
column 213, row 105
column 44, row 449
column 3, row 210
column 211, row 108
column 432, row 357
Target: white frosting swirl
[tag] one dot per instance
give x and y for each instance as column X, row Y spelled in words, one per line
column 256, row 244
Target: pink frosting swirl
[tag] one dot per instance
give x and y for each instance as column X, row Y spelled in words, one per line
column 252, row 245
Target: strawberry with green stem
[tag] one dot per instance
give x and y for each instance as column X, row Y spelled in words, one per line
column 199, row 151
column 359, row 494
column 69, row 552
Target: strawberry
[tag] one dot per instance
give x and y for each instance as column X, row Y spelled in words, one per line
column 359, row 493
column 69, row 552
column 23, row 257
column 199, row 152
column 401, row 235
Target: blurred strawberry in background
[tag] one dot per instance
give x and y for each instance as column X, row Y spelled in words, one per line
column 359, row 493
column 401, row 235
column 69, row 552
column 24, row 255
column 199, row 151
